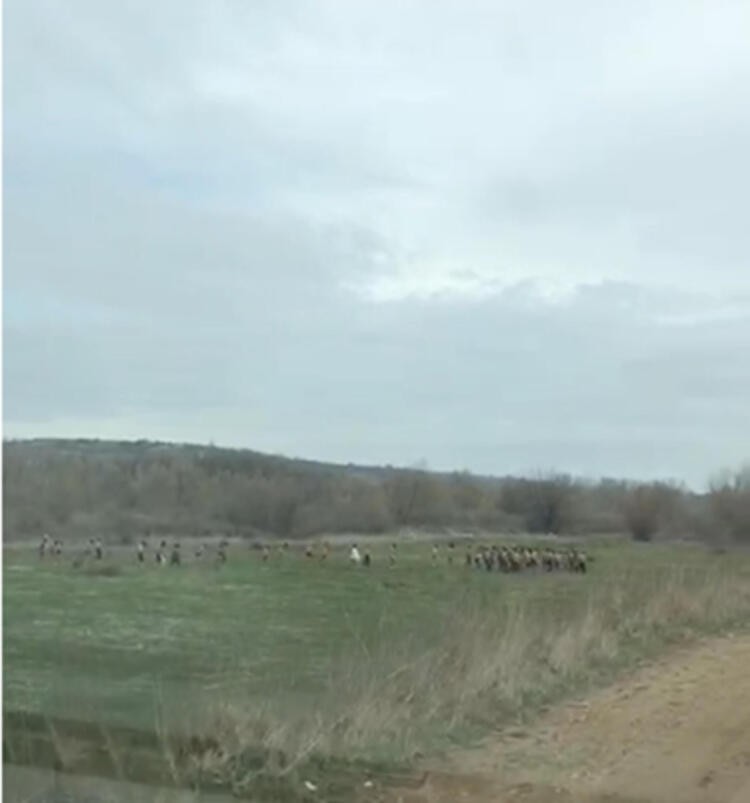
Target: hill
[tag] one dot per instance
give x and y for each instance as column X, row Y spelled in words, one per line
column 124, row 490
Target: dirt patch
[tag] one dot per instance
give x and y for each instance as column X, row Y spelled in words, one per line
column 676, row 731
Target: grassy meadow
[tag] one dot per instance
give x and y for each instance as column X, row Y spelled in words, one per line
column 384, row 663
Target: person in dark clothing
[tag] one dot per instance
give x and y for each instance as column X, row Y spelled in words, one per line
column 44, row 545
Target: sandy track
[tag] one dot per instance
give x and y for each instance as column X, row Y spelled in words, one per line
column 677, row 731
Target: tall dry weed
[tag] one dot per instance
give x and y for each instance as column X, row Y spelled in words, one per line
column 489, row 667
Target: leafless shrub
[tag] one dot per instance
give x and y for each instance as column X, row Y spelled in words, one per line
column 729, row 505
column 545, row 502
column 647, row 508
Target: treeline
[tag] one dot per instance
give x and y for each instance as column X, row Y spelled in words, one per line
column 122, row 491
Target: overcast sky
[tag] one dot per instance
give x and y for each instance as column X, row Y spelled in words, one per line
column 501, row 236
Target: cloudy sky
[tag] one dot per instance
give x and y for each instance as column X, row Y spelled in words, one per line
column 502, row 236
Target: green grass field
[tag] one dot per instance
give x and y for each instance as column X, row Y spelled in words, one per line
column 119, row 646
column 447, row 648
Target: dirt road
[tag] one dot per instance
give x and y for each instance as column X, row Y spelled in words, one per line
column 677, row 731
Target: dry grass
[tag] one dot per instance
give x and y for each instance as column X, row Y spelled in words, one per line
column 488, row 669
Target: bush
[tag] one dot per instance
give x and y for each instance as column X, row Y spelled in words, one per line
column 729, row 505
column 545, row 502
column 647, row 508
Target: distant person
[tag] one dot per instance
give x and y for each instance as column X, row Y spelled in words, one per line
column 141, row 551
column 43, row 545
column 354, row 555
column 435, row 554
column 58, row 548
column 98, row 549
column 579, row 561
column 174, row 559
column 366, row 560
column 489, row 560
column 266, row 553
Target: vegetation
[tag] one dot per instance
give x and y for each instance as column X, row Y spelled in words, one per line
column 647, row 509
column 124, row 491
column 729, row 501
column 279, row 667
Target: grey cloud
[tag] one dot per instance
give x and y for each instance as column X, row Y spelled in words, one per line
column 200, row 197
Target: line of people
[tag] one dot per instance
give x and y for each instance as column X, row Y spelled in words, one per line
column 358, row 558
column 49, row 547
column 175, row 552
column 490, row 558
column 503, row 558
column 519, row 558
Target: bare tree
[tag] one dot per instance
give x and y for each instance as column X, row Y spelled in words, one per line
column 545, row 502
column 729, row 505
column 647, row 507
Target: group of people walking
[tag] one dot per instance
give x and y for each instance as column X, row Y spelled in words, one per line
column 165, row 555
column 519, row 558
column 49, row 547
column 493, row 557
